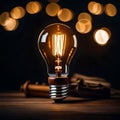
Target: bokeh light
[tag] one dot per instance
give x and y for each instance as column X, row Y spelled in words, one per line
column 110, row 10
column 33, row 7
column 11, row 24
column 3, row 18
column 65, row 15
column 95, row 8
column 52, row 9
column 101, row 36
column 17, row 12
column 84, row 15
column 83, row 26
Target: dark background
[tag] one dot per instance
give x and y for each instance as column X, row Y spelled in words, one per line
column 21, row 61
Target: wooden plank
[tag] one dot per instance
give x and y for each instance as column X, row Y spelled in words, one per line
column 16, row 106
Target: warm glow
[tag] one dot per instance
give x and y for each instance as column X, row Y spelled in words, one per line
column 95, row 8
column 84, row 23
column 110, row 10
column 33, row 7
column 52, row 9
column 3, row 18
column 84, row 15
column 102, row 36
column 58, row 44
column 83, row 26
column 17, row 12
column 11, row 24
column 65, row 15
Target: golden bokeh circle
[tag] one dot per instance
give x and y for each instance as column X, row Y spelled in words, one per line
column 33, row 7
column 65, row 15
column 101, row 36
column 3, row 18
column 83, row 26
column 11, row 24
column 110, row 10
column 84, row 15
column 17, row 12
column 95, row 8
column 52, row 9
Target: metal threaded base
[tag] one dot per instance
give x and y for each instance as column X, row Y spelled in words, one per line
column 58, row 92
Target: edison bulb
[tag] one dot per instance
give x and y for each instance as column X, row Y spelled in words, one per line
column 57, row 44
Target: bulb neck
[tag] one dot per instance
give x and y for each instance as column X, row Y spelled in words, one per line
column 58, row 88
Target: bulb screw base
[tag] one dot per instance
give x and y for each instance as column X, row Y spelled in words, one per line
column 58, row 88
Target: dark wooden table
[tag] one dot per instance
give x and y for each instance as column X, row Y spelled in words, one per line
column 15, row 106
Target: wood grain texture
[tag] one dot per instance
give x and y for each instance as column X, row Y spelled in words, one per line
column 15, row 106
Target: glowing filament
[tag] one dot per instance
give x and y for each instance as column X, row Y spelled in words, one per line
column 58, row 44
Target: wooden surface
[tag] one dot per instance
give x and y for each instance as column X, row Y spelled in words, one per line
column 14, row 105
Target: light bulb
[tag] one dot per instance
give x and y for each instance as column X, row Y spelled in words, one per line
column 57, row 44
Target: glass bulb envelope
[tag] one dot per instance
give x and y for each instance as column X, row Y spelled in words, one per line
column 57, row 44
